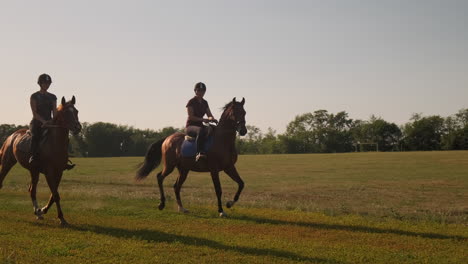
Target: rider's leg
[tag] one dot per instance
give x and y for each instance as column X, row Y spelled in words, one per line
column 195, row 131
column 36, row 131
column 201, row 144
column 201, row 140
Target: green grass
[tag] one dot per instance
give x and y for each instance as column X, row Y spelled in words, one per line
column 333, row 208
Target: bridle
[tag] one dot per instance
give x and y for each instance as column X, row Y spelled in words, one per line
column 60, row 121
column 239, row 125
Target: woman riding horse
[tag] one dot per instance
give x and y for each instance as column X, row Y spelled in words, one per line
column 43, row 104
column 53, row 155
column 197, row 107
column 221, row 156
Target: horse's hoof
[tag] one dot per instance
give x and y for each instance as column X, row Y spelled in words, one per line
column 39, row 213
column 223, row 215
column 183, row 210
column 63, row 222
column 39, row 217
column 161, row 206
column 230, row 204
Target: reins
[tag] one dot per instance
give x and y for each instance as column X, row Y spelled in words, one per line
column 54, row 126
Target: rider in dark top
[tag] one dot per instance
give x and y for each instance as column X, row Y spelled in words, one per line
column 44, row 107
column 197, row 107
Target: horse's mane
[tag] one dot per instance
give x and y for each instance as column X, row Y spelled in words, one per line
column 226, row 106
column 60, row 107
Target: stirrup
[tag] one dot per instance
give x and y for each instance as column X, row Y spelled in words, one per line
column 33, row 161
column 200, row 156
column 69, row 165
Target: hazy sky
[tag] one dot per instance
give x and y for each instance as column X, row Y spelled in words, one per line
column 136, row 62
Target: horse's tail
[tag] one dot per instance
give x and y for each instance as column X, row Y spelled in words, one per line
column 152, row 160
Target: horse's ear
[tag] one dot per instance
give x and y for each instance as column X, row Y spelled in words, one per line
column 63, row 100
column 243, row 101
column 73, row 100
column 233, row 100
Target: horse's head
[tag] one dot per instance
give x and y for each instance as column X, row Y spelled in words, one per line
column 67, row 116
column 234, row 113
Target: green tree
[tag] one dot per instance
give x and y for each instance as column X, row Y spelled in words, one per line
column 319, row 132
column 455, row 135
column 7, row 129
column 378, row 131
column 424, row 133
column 104, row 140
column 250, row 143
column 271, row 144
column 78, row 145
column 110, row 140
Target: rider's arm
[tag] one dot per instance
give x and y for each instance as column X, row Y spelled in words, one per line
column 54, row 109
column 34, row 111
column 210, row 115
column 192, row 117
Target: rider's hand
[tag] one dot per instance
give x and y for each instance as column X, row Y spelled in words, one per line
column 212, row 119
column 46, row 123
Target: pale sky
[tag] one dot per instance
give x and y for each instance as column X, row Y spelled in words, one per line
column 136, row 62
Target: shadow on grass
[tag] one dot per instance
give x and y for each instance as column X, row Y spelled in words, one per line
column 157, row 237
column 90, row 182
column 364, row 229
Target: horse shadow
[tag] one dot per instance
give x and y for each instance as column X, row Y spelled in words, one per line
column 352, row 228
column 155, row 236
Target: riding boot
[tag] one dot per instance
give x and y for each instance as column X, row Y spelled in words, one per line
column 36, row 132
column 33, row 160
column 200, row 146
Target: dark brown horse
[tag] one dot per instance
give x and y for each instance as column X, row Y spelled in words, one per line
column 53, row 155
column 222, row 156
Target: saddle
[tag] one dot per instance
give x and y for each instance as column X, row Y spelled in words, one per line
column 189, row 146
column 24, row 144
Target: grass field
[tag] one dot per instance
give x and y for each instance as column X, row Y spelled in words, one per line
column 318, row 208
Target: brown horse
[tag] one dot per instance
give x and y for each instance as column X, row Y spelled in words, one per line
column 53, row 155
column 222, row 156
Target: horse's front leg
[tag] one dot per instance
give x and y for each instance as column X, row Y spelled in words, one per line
column 32, row 191
column 234, row 175
column 53, row 180
column 218, row 190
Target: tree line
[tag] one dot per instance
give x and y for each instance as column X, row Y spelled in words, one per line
column 324, row 132
column 106, row 139
column 314, row 132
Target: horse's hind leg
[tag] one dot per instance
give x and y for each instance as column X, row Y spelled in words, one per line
column 32, row 192
column 7, row 164
column 233, row 174
column 160, row 177
column 48, row 205
column 178, row 185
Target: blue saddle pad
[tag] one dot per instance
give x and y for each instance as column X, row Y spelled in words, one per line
column 189, row 148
